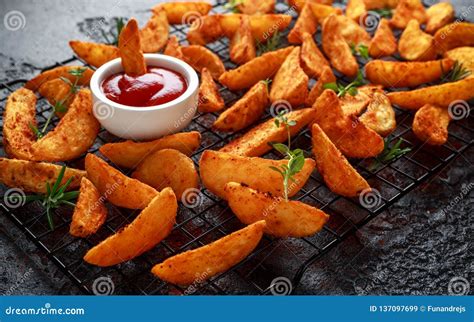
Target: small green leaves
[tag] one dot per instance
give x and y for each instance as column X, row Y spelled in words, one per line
column 295, row 164
column 383, row 13
column 351, row 88
column 119, row 24
column 389, row 153
column 35, row 130
column 360, row 50
column 78, row 72
column 457, row 73
column 232, row 5
column 271, row 45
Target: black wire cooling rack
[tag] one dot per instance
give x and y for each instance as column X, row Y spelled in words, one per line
column 212, row 219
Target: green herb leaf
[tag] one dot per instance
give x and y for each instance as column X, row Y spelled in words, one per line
column 35, row 130
column 389, row 153
column 332, row 86
column 271, row 45
column 78, row 72
column 232, row 5
column 457, row 73
column 360, row 50
column 383, row 13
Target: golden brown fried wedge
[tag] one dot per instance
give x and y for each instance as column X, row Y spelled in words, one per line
column 74, row 134
column 93, row 53
column 149, row 228
column 199, row 57
column 441, row 95
column 384, row 42
column 380, row 116
column 168, row 168
column 173, row 48
column 209, row 98
column 18, row 121
column 352, row 31
column 312, row 60
column 90, row 212
column 259, row 68
column 381, row 4
column 407, row 10
column 242, row 45
column 349, row 135
column 322, row 11
column 439, row 15
column 252, row 7
column 129, row 154
column 415, row 44
column 356, row 9
column 204, row 29
column 263, row 26
column 119, row 189
column 464, row 56
column 354, row 105
column 298, row 4
column 337, row 49
column 283, row 218
column 336, row 171
column 306, row 23
column 454, row 35
column 33, row 176
column 57, row 91
column 406, row 74
column 209, row 260
column 327, row 76
column 245, row 111
column 430, row 124
column 61, row 71
column 290, row 82
column 179, row 12
column 218, row 168
column 129, row 44
column 155, row 33
column 255, row 142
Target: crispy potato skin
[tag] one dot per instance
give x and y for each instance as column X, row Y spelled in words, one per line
column 129, row 44
column 306, row 23
column 129, row 154
column 355, row 105
column 90, row 212
column 327, row 76
column 283, row 218
column 218, row 168
column 259, row 68
column 74, row 134
column 151, row 226
column 337, row 172
column 298, row 4
column 173, row 48
column 209, row 98
column 356, row 9
column 204, row 30
column 381, row 4
column 441, row 95
column 178, row 12
column 380, row 115
column 212, row 259
column 200, row 57
column 61, row 71
column 351, row 31
column 154, row 35
column 464, row 55
column 406, row 74
column 454, row 35
column 119, row 189
column 263, row 25
column 242, row 45
column 255, row 142
column 430, row 124
column 168, row 168
column 245, row 111
column 407, row 10
column 384, row 42
column 20, row 112
column 439, row 15
column 414, row 44
column 56, row 90
column 312, row 60
column 322, row 11
column 252, row 7
column 94, row 54
column 32, row 176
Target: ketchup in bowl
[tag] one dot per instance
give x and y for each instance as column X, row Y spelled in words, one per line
column 158, row 86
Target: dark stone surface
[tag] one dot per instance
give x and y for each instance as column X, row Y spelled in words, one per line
column 414, row 248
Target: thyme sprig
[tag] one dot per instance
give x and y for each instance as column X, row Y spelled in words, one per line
column 350, row 88
column 360, row 50
column 389, row 153
column 119, row 24
column 271, row 44
column 383, row 12
column 457, row 73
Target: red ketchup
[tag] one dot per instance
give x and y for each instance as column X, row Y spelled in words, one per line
column 158, row 86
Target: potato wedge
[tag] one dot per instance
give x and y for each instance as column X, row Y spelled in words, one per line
column 306, row 23
column 381, row 4
column 263, row 26
column 154, row 35
column 380, row 115
column 457, row 34
column 168, row 168
column 204, row 29
column 312, row 60
column 407, row 10
column 252, row 7
column 18, row 119
column 209, row 260
column 298, row 4
column 337, row 49
column 173, row 48
column 242, row 45
column 57, row 91
column 129, row 44
column 355, row 105
column 255, row 142
column 119, row 189
column 351, row 31
column 218, row 168
column 439, row 15
column 337, row 172
column 430, row 124
column 384, row 42
column 129, row 154
column 283, row 218
column 90, row 212
column 327, row 76
column 441, row 95
column 57, row 72
column 74, row 134
column 322, row 11
column 149, row 228
column 245, row 111
column 179, row 12
column 347, row 133
column 32, row 176
column 94, row 54
column 414, row 44
column 209, row 98
column 259, row 68
column 199, row 57
column 290, row 82
column 356, row 9
column 406, row 74
column 464, row 55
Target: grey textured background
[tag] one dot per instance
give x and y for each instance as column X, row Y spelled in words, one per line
column 414, row 248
